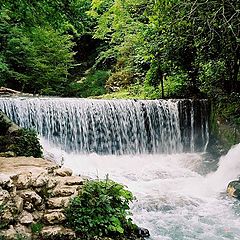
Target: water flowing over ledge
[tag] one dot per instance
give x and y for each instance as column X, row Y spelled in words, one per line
column 114, row 126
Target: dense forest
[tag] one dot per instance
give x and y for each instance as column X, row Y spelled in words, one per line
column 123, row 48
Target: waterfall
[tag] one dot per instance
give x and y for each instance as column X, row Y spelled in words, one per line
column 114, row 126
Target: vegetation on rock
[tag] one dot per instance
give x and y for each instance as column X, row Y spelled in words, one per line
column 101, row 210
column 20, row 142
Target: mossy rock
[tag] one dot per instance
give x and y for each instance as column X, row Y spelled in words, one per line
column 233, row 189
column 20, row 141
column 5, row 123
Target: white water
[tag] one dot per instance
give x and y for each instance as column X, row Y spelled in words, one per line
column 114, row 126
column 174, row 201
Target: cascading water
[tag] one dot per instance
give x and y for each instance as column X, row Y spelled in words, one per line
column 153, row 147
column 113, row 127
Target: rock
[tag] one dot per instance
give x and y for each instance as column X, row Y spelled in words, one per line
column 25, row 218
column 6, row 216
column 57, row 232
column 41, row 180
column 142, row 232
column 58, row 202
column 71, row 180
column 18, row 203
column 51, row 169
column 6, row 125
column 63, row 172
column 56, row 217
column 37, row 215
column 23, row 231
column 22, row 180
column 64, row 191
column 233, row 189
column 9, row 234
column 8, row 185
column 28, row 206
column 4, row 196
column 32, row 197
column 52, row 183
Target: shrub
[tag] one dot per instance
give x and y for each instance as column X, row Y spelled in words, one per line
column 101, row 209
column 26, row 143
column 36, row 227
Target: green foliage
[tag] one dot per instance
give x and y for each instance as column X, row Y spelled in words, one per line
column 26, row 143
column 101, row 209
column 36, row 227
column 39, row 60
column 165, row 46
column 211, row 75
column 93, row 84
column 175, row 85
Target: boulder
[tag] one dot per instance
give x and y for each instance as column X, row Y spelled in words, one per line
column 26, row 218
column 41, row 180
column 142, row 232
column 64, row 191
column 22, row 180
column 31, row 197
column 6, row 125
column 56, row 217
column 63, row 172
column 58, row 202
column 57, row 232
column 233, row 189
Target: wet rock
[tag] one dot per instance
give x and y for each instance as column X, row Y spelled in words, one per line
column 25, row 218
column 57, row 232
column 233, row 189
column 22, row 180
column 55, row 217
column 142, row 232
column 63, row 172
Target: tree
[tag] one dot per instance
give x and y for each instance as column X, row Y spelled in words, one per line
column 39, row 60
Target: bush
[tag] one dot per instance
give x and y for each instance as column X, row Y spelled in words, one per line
column 26, row 143
column 101, row 209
